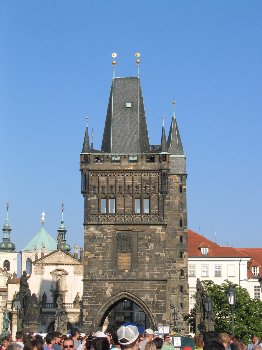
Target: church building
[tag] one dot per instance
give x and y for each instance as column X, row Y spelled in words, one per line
column 135, row 220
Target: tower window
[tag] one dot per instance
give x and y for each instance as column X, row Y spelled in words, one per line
column 150, row 159
column 181, row 255
column 112, row 205
column 99, row 159
column 180, row 189
column 146, row 205
column 6, row 265
column 128, row 104
column 115, row 159
column 181, row 289
column 28, row 266
column 181, row 223
column 132, row 159
column 181, row 239
column 137, row 206
column 103, row 206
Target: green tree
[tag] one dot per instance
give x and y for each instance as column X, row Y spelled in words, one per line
column 247, row 311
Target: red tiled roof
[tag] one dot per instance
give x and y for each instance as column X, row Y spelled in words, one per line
column 256, row 259
column 197, row 241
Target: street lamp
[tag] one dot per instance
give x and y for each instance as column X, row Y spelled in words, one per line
column 231, row 295
column 208, row 309
column 17, row 306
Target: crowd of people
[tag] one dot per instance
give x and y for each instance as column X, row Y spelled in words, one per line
column 126, row 338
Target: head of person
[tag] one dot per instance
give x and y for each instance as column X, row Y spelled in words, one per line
column 254, row 339
column 101, row 343
column 150, row 345
column 149, row 334
column 214, row 345
column 128, row 337
column 57, row 337
column 68, row 344
column 75, row 334
column 14, row 346
column 19, row 336
column 210, row 336
column 167, row 338
column 224, row 339
column 198, row 340
column 5, row 342
column 158, row 342
column 49, row 339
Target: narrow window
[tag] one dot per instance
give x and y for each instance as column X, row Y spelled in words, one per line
column 6, row 265
column 112, row 205
column 150, row 159
column 181, row 255
column 181, row 289
column 191, row 270
column 181, row 223
column 28, row 266
column 103, row 206
column 181, row 239
column 146, row 205
column 182, row 273
column 137, row 206
column 204, row 270
column 218, row 270
column 181, row 189
column 256, row 292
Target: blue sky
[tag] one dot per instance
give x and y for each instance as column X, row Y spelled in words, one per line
column 55, row 66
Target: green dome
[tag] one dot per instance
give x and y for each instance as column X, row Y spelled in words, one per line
column 41, row 238
column 7, row 246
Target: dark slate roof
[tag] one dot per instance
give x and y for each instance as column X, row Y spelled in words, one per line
column 163, row 140
column 86, row 147
column 125, row 127
column 174, row 142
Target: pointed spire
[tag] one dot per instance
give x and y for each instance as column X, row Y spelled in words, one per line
column 174, row 143
column 6, row 244
column 61, row 234
column 86, row 147
column 163, row 137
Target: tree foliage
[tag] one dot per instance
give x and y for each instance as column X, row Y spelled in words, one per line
column 247, row 311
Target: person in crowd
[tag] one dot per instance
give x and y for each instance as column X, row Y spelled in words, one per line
column 4, row 343
column 158, row 342
column 254, row 341
column 14, row 346
column 33, row 345
column 68, row 344
column 57, row 341
column 49, row 341
column 128, row 337
column 114, row 342
column 167, row 345
column 198, row 340
column 209, row 337
column 224, row 338
column 150, row 345
column 75, row 334
column 19, row 338
column 100, row 343
column 214, row 345
column 148, row 336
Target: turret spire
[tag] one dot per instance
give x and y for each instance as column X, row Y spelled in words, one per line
column 6, row 244
column 163, row 137
column 61, row 234
column 86, row 147
column 174, row 143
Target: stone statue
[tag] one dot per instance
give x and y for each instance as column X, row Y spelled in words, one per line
column 6, row 324
column 24, row 286
column 76, row 301
column 44, row 299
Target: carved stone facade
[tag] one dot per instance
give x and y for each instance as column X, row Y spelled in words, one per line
column 135, row 219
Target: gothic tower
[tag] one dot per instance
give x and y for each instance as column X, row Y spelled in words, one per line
column 135, row 220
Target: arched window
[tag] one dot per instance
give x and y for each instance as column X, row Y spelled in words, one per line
column 7, row 265
column 28, row 266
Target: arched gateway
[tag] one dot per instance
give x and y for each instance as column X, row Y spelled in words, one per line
column 135, row 218
column 121, row 308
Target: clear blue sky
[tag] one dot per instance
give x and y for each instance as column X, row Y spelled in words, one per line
column 55, row 66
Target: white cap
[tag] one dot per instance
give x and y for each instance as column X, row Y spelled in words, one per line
column 100, row 334
column 127, row 334
column 149, row 331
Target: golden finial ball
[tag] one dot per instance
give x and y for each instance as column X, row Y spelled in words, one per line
column 114, row 54
column 137, row 54
column 137, row 61
column 113, row 63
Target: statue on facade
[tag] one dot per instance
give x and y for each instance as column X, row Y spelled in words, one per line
column 76, row 301
column 6, row 324
column 44, row 299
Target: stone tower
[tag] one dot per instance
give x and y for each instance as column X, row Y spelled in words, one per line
column 135, row 220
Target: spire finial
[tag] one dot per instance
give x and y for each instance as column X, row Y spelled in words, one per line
column 7, row 207
column 173, row 106
column 137, row 55
column 163, row 120
column 62, row 212
column 43, row 218
column 92, row 139
column 114, row 56
column 87, row 121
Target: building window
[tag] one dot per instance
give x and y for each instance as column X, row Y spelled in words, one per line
column 181, row 223
column 255, row 270
column 115, row 159
column 181, row 239
column 218, row 270
column 204, row 270
column 150, row 159
column 28, row 266
column 124, row 250
column 181, row 289
column 99, row 159
column 181, row 255
column 146, row 205
column 256, row 292
column 137, row 206
column 132, row 159
column 6, row 265
column 191, row 270
column 204, row 251
column 103, row 206
column 112, row 205
column 231, row 270
column 180, row 189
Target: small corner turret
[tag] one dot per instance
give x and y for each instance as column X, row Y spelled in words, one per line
column 61, row 234
column 6, row 244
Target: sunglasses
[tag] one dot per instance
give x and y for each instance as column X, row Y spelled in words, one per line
column 68, row 346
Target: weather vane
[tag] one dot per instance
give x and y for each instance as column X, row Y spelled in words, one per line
column 87, row 120
column 163, row 120
column 173, row 106
column 114, row 56
column 137, row 55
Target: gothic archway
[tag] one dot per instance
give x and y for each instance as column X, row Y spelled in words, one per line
column 124, row 307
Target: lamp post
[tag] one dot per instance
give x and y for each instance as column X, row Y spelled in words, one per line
column 17, row 306
column 231, row 295
column 208, row 309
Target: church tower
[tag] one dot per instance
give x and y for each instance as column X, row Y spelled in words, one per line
column 135, row 220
